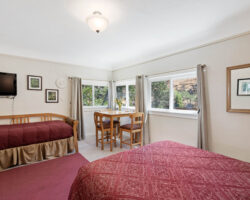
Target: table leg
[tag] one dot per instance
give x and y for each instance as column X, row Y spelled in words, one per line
column 111, row 133
column 118, row 127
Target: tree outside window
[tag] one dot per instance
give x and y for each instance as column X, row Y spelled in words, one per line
column 131, row 90
column 87, row 95
column 95, row 95
column 160, row 94
column 101, row 95
column 185, row 94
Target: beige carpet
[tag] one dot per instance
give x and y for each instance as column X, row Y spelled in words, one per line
column 89, row 150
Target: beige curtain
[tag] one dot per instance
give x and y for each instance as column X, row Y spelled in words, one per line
column 202, row 111
column 141, row 104
column 76, row 111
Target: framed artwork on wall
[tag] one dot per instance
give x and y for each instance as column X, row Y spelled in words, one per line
column 238, row 89
column 52, row 96
column 243, row 87
column 34, row 82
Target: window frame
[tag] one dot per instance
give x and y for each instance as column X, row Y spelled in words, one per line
column 94, row 83
column 126, row 83
column 170, row 77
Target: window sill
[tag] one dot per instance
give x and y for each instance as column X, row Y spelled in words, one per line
column 128, row 108
column 91, row 108
column 176, row 113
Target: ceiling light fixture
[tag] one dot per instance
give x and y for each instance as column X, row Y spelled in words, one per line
column 97, row 22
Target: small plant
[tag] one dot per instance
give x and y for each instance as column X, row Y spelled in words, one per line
column 119, row 103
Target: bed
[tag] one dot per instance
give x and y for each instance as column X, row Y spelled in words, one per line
column 163, row 170
column 36, row 137
column 33, row 133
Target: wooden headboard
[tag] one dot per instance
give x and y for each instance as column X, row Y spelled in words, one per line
column 25, row 118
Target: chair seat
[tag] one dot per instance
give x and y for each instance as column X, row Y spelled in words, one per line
column 114, row 121
column 128, row 126
column 106, row 124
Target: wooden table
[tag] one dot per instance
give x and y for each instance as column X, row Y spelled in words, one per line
column 112, row 115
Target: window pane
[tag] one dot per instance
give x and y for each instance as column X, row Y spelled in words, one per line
column 121, row 93
column 101, row 96
column 87, row 95
column 160, row 94
column 185, row 94
column 131, row 89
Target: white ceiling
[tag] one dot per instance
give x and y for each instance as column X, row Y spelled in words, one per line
column 139, row 30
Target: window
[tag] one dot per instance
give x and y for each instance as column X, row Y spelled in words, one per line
column 101, row 95
column 185, row 94
column 95, row 93
column 87, row 95
column 121, row 93
column 131, row 90
column 125, row 90
column 160, row 94
column 176, row 93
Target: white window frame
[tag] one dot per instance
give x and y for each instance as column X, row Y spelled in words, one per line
column 126, row 83
column 94, row 83
column 171, row 77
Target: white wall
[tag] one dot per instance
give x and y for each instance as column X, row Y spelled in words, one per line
column 229, row 133
column 177, row 129
column 28, row 101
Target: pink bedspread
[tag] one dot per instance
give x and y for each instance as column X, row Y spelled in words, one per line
column 163, row 170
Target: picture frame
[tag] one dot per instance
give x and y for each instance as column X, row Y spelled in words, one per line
column 34, row 82
column 52, row 96
column 238, row 97
column 243, row 87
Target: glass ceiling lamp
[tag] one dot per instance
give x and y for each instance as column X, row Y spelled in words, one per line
column 97, row 22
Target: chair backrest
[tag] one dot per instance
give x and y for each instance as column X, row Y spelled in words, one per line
column 137, row 119
column 98, row 119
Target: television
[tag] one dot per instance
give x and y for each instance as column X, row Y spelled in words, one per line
column 8, row 84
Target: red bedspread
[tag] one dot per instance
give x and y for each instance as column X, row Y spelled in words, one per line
column 47, row 180
column 163, row 170
column 32, row 133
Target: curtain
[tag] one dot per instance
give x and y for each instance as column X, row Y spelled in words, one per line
column 76, row 111
column 202, row 111
column 111, row 94
column 141, row 104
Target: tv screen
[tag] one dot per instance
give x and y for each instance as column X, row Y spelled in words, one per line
column 7, row 84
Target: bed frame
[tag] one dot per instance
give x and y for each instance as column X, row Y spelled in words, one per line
column 25, row 118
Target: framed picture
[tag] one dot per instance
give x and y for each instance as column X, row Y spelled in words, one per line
column 243, row 87
column 34, row 82
column 238, row 88
column 51, row 96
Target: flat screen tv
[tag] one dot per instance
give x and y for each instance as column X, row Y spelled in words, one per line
column 8, row 84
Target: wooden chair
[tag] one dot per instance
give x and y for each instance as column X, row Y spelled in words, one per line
column 135, row 129
column 104, row 128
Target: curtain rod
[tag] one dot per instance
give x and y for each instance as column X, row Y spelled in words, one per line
column 160, row 73
column 88, row 79
column 147, row 75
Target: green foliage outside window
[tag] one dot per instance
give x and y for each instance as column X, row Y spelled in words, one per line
column 160, row 94
column 87, row 95
column 185, row 91
column 131, row 89
column 101, row 96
